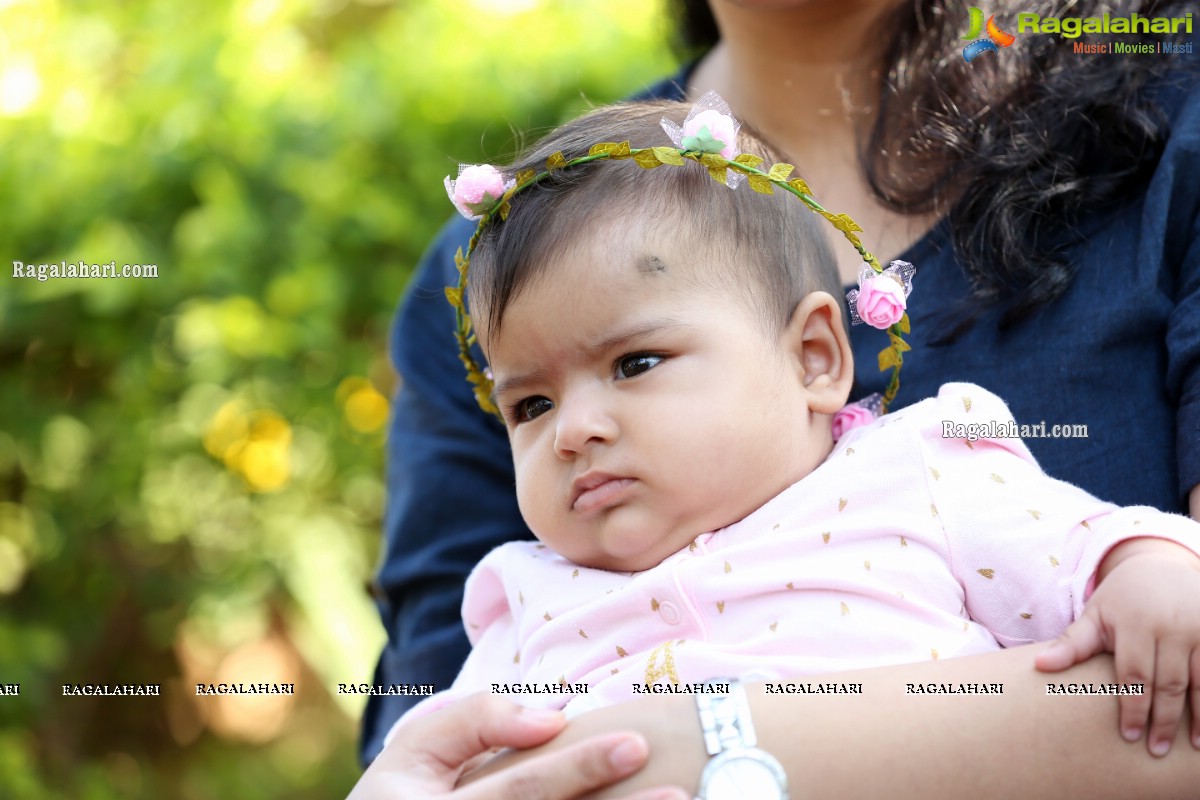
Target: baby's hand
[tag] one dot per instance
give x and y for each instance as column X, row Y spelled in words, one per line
column 1146, row 611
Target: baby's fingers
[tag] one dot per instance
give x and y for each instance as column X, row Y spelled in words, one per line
column 1170, row 689
column 1133, row 657
column 1082, row 639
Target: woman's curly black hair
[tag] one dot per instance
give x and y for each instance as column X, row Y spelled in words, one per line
column 1013, row 148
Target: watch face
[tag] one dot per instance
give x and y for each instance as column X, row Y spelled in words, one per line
column 742, row 779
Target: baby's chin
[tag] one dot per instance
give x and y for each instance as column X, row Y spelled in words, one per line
column 612, row 563
column 630, row 555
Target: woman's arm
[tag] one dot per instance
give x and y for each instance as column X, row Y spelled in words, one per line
column 888, row 743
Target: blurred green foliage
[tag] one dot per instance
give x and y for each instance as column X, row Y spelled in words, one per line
column 191, row 466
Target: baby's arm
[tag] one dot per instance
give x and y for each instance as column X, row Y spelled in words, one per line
column 1028, row 551
column 1145, row 610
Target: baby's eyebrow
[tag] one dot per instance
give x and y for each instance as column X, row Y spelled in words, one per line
column 519, row 381
column 613, row 341
column 632, row 332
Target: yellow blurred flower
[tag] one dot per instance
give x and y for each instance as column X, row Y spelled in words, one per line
column 228, row 426
column 255, row 444
column 366, row 410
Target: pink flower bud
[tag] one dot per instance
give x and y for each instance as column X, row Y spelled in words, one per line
column 478, row 188
column 851, row 416
column 721, row 128
column 881, row 301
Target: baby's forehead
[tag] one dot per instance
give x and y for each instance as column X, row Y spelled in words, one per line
column 626, row 258
column 648, row 245
column 651, row 264
column 632, row 260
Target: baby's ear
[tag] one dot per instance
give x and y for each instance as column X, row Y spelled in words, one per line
column 817, row 338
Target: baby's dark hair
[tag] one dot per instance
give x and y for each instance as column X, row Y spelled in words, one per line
column 776, row 237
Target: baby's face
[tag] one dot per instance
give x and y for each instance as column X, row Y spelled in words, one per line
column 645, row 409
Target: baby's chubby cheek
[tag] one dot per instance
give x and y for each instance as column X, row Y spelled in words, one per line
column 537, row 499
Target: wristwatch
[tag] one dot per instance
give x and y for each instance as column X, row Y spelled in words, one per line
column 737, row 770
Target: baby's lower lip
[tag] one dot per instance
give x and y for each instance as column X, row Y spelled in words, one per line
column 606, row 493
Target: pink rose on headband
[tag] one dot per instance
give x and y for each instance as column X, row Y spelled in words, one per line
column 855, row 415
column 478, row 188
column 712, row 132
column 709, row 127
column 881, row 297
column 881, row 301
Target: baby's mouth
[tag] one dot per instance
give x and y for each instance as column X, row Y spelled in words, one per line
column 595, row 490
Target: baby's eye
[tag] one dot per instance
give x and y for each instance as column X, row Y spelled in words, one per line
column 630, row 366
column 530, row 408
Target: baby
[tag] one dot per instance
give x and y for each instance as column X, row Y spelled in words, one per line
column 669, row 356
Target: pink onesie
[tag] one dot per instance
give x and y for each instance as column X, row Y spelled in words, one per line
column 902, row 546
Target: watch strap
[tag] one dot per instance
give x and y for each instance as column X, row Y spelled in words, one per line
column 725, row 717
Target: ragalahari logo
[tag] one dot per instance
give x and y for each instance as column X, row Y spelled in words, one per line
column 996, row 37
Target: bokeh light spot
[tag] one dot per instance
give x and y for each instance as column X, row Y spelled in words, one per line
column 366, row 410
column 12, row 566
column 20, row 88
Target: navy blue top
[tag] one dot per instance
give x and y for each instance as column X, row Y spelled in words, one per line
column 1119, row 352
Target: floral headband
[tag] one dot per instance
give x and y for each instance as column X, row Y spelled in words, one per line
column 708, row 137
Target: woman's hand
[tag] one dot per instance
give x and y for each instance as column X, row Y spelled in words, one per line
column 426, row 757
